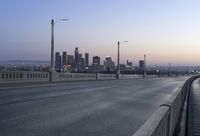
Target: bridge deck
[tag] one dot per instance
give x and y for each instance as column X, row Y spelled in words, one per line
column 90, row 108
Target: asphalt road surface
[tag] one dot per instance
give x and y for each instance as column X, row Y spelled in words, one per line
column 90, row 108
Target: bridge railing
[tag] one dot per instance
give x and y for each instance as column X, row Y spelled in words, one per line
column 130, row 76
column 23, row 76
column 165, row 120
column 105, row 76
column 73, row 76
column 34, row 76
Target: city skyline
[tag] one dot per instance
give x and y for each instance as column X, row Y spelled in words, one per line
column 169, row 30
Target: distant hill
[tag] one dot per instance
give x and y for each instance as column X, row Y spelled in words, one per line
column 25, row 62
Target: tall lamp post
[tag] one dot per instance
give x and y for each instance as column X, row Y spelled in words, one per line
column 118, row 58
column 52, row 46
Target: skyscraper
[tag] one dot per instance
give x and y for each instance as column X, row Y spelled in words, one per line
column 57, row 61
column 86, row 59
column 76, row 55
column 129, row 66
column 96, row 60
column 70, row 60
column 95, row 64
column 64, row 58
column 81, row 62
column 129, row 63
column 109, row 65
column 141, row 65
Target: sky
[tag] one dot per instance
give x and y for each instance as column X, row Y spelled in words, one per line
column 168, row 30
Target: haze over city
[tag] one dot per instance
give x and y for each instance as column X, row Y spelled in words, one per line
column 168, row 30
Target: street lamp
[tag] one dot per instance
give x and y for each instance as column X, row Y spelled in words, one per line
column 52, row 45
column 118, row 58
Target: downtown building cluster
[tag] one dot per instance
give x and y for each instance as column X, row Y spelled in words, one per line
column 80, row 63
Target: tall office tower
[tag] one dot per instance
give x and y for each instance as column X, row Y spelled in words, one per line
column 64, row 58
column 141, row 65
column 95, row 64
column 129, row 63
column 57, row 61
column 109, row 65
column 79, row 57
column 96, row 61
column 76, row 55
column 81, row 64
column 86, row 59
column 70, row 60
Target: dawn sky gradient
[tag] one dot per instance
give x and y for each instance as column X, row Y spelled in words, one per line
column 169, row 30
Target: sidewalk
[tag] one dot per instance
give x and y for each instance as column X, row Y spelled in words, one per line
column 194, row 110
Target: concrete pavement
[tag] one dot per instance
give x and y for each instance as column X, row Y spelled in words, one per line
column 90, row 108
column 194, row 109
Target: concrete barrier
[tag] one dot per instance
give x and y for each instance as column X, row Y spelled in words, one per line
column 130, row 76
column 105, row 76
column 167, row 118
column 34, row 76
column 73, row 76
column 23, row 76
column 156, row 125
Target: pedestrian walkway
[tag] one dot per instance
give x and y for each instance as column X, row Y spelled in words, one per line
column 194, row 110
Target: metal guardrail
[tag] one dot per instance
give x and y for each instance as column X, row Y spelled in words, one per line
column 165, row 120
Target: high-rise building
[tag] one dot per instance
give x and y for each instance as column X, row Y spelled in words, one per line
column 79, row 57
column 95, row 67
column 96, row 61
column 122, row 67
column 76, row 55
column 70, row 60
column 57, row 61
column 129, row 66
column 141, row 65
column 86, row 59
column 129, row 63
column 81, row 64
column 64, row 58
column 109, row 65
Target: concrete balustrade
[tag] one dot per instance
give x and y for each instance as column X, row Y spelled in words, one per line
column 72, row 76
column 23, row 76
column 105, row 76
column 34, row 76
column 130, row 76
